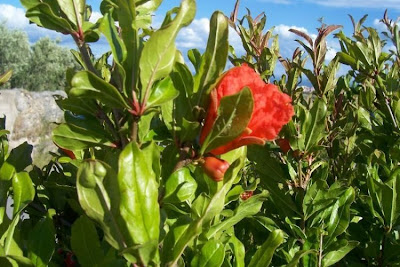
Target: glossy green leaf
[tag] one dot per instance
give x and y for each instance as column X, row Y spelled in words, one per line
column 158, row 55
column 139, row 202
column 74, row 10
column 271, row 174
column 364, row 118
column 95, row 199
column 176, row 232
column 214, row 58
column 314, row 131
column 133, row 15
column 299, row 254
column 108, row 28
column 211, row 254
column 17, row 161
column 342, row 248
column 238, row 251
column 77, row 106
column 162, row 92
column 247, row 208
column 24, row 192
column 204, row 210
column 180, row 186
column 4, row 188
column 195, row 58
column 19, row 261
column 42, row 242
column 10, row 246
column 76, row 138
column 43, row 15
column 315, row 196
column 233, row 116
column 340, row 215
column 263, row 255
column 85, row 242
column 85, row 84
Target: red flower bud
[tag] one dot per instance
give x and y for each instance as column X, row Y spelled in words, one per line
column 272, row 108
column 246, row 195
column 215, row 168
column 284, row 145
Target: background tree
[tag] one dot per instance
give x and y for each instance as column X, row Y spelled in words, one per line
column 14, row 54
column 48, row 57
column 30, row 62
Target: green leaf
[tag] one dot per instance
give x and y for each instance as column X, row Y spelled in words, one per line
column 204, row 210
column 77, row 106
column 364, row 118
column 5, row 77
column 162, row 92
column 211, row 254
column 340, row 215
column 74, row 10
column 263, row 255
column 42, row 242
column 85, row 242
column 247, row 208
column 180, row 186
column 214, row 58
column 195, row 58
column 158, row 55
column 299, row 254
column 96, row 198
column 314, row 131
column 77, row 138
column 316, row 198
column 272, row 174
column 24, row 192
column 4, row 188
column 139, row 202
column 85, row 84
column 340, row 250
column 234, row 114
column 108, row 28
column 17, row 161
column 19, row 261
column 43, row 15
column 238, row 251
column 176, row 232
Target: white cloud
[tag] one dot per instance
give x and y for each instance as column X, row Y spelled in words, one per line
column 330, row 54
column 95, row 16
column 14, row 17
column 195, row 35
column 284, row 33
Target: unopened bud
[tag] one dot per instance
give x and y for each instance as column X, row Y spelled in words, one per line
column 215, row 168
column 284, row 145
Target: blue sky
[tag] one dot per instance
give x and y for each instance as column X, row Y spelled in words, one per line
column 283, row 14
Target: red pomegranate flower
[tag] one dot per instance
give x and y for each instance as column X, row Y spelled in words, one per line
column 272, row 108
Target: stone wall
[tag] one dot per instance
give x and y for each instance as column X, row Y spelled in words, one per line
column 31, row 116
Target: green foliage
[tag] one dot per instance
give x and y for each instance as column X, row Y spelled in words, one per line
column 49, row 58
column 133, row 190
column 36, row 67
column 14, row 52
